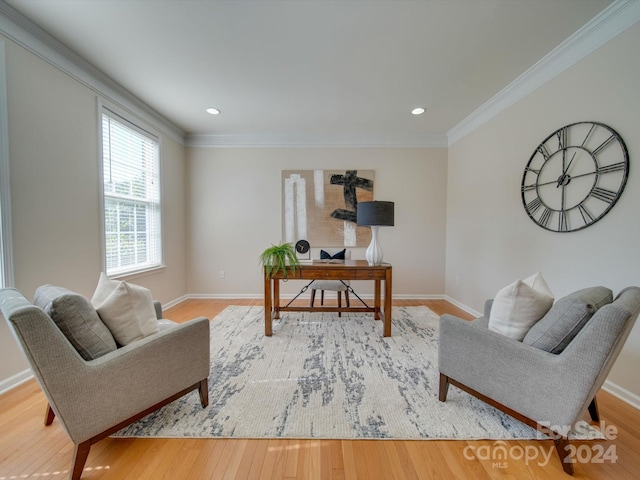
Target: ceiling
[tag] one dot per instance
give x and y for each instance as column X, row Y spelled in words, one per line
column 313, row 68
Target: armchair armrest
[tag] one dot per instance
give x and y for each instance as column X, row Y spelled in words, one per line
column 487, row 307
column 158, row 307
column 103, row 392
column 492, row 364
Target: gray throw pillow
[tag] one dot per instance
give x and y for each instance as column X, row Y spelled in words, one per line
column 566, row 318
column 77, row 319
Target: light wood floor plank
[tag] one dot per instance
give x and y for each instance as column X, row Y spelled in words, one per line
column 28, row 449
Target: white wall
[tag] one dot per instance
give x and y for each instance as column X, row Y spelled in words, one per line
column 490, row 239
column 235, row 212
column 55, row 200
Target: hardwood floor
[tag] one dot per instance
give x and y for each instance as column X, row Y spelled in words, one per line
column 29, row 450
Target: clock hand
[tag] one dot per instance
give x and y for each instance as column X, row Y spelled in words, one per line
column 570, row 162
column 547, row 183
column 584, row 174
column 562, row 177
column 575, row 176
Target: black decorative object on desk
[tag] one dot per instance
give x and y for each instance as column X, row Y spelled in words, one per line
column 303, row 250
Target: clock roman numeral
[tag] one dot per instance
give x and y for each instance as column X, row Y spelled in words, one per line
column 603, row 145
column 588, row 135
column 586, row 215
column 562, row 138
column 563, row 224
column 603, row 194
column 534, row 205
column 526, row 188
column 545, row 217
column 543, row 151
column 533, row 170
column 615, row 167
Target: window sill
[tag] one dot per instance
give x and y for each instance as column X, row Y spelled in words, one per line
column 144, row 272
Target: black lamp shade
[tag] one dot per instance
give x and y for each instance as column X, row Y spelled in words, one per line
column 375, row 214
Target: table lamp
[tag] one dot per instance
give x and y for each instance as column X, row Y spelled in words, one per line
column 374, row 215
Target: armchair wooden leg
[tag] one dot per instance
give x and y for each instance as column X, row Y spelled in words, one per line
column 346, row 297
column 444, row 387
column 321, row 297
column 339, row 303
column 594, row 411
column 203, row 389
column 561, row 443
column 313, row 296
column 562, row 447
column 80, row 454
column 49, row 415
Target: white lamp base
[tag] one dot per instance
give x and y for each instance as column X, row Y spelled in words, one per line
column 374, row 252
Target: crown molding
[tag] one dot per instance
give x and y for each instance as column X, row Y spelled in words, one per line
column 609, row 23
column 30, row 36
column 380, row 140
column 613, row 20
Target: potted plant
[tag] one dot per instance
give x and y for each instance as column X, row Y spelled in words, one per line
column 278, row 257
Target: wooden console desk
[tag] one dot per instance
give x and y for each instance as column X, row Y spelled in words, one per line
column 319, row 270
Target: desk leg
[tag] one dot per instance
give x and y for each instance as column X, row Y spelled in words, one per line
column 267, row 305
column 276, row 298
column 387, row 304
column 376, row 301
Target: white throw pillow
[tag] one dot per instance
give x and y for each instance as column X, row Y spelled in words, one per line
column 517, row 307
column 127, row 310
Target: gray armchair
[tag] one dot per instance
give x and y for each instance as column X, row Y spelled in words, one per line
column 548, row 391
column 95, row 398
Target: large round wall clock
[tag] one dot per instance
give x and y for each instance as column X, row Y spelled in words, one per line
column 575, row 176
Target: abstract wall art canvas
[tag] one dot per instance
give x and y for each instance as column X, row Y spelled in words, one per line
column 320, row 206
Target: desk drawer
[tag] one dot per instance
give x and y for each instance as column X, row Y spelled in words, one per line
column 369, row 274
column 327, row 274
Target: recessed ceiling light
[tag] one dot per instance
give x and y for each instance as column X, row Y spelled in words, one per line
column 213, row 111
column 418, row 111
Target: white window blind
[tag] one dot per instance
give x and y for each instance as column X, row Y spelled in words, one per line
column 4, row 184
column 6, row 263
column 3, row 280
column 131, row 185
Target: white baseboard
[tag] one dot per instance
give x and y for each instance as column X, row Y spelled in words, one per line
column 15, row 380
column 462, row 306
column 419, row 297
column 223, row 296
column 175, row 302
column 622, row 393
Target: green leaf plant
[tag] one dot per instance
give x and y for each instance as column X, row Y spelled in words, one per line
column 277, row 257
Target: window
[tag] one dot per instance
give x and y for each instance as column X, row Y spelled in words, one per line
column 6, row 264
column 131, row 187
column 6, row 274
column 5, row 239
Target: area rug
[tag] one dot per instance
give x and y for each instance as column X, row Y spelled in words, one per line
column 329, row 377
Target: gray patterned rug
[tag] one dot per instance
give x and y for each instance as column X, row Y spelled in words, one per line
column 320, row 376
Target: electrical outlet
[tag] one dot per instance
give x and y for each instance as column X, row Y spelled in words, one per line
column 457, row 281
column 221, row 273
